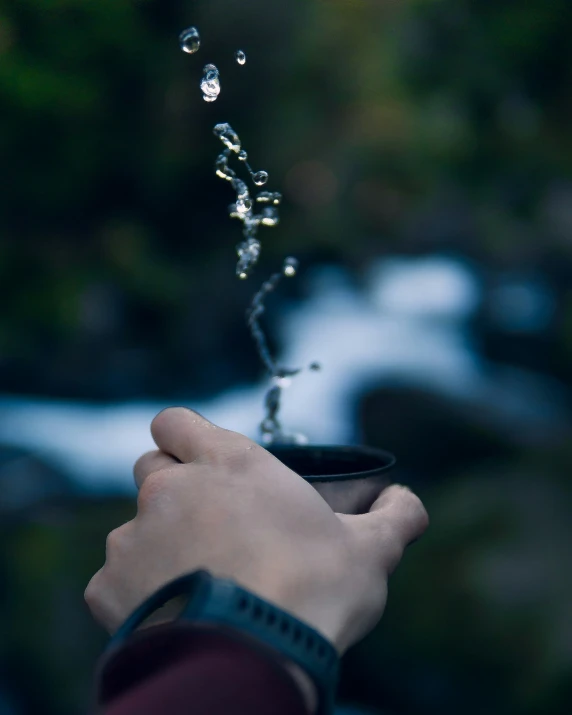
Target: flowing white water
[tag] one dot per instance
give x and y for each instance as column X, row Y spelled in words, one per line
column 407, row 324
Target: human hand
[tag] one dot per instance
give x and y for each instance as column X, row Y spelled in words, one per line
column 213, row 499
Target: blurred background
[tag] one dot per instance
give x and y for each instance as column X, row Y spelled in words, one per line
column 425, row 155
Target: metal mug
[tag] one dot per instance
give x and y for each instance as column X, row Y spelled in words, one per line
column 349, row 479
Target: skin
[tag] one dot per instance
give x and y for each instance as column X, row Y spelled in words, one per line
column 211, row 498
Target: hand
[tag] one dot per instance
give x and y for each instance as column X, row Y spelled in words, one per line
column 213, row 499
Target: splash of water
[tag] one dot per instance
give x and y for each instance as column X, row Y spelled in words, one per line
column 243, row 208
column 190, row 40
column 249, row 249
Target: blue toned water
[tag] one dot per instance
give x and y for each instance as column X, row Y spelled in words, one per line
column 408, row 323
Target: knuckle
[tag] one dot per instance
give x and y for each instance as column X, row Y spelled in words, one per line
column 153, row 488
column 97, row 598
column 115, row 541
column 93, row 590
column 111, row 543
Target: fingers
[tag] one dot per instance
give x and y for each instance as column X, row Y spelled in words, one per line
column 395, row 520
column 103, row 601
column 185, row 434
column 149, row 463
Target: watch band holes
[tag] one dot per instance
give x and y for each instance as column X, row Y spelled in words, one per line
column 271, row 618
column 285, row 626
column 297, row 635
column 243, row 603
column 257, row 612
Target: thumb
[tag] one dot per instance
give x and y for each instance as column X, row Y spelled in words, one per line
column 185, row 434
column 395, row 520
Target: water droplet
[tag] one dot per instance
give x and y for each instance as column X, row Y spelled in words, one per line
column 240, row 57
column 283, row 381
column 270, row 216
column 241, row 188
column 242, row 209
column 190, row 40
column 248, row 251
column 243, row 205
column 228, row 136
column 242, row 276
column 290, row 267
column 254, row 247
column 260, row 178
column 315, row 366
column 223, row 171
column 269, row 197
column 252, row 220
column 210, row 83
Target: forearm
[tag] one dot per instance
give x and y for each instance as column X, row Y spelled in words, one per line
column 176, row 671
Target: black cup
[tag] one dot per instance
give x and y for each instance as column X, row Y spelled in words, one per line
column 349, row 478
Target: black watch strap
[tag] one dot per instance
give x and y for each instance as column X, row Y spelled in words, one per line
column 222, row 602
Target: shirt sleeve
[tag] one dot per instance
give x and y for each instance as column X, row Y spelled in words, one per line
column 175, row 669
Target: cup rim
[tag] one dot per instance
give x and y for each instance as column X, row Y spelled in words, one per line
column 388, row 458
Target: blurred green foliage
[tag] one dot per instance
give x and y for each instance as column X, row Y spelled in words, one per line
column 408, row 126
column 391, row 126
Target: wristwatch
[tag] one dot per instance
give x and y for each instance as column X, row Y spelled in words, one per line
column 225, row 605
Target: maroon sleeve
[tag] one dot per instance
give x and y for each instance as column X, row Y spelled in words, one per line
column 175, row 669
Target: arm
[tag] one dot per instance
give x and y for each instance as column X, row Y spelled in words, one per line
column 212, row 499
column 176, row 670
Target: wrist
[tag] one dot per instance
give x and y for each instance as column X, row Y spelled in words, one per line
column 305, row 657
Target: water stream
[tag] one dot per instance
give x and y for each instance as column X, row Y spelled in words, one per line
column 253, row 211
